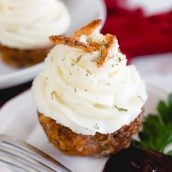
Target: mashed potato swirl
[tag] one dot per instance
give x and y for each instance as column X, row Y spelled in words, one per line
column 78, row 94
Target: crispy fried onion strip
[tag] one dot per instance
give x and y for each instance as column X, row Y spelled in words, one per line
column 72, row 42
column 88, row 29
column 104, row 47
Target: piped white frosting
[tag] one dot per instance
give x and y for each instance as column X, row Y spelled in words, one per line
column 72, row 90
column 26, row 24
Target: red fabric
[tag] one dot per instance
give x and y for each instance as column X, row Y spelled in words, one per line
column 137, row 34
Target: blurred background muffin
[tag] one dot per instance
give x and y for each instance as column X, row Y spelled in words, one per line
column 25, row 26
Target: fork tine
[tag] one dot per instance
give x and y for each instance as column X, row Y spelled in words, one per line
column 13, row 163
column 28, row 155
column 20, row 160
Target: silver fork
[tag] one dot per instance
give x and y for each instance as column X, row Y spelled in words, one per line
column 23, row 157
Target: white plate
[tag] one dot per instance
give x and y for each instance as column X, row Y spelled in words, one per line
column 81, row 13
column 158, row 70
column 18, row 117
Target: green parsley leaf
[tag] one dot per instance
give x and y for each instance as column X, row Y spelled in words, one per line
column 156, row 133
column 169, row 153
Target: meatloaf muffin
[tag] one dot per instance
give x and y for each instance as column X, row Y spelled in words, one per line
column 89, row 101
column 99, row 144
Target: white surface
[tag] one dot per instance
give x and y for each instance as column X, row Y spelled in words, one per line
column 151, row 6
column 81, row 13
column 18, row 117
column 156, row 69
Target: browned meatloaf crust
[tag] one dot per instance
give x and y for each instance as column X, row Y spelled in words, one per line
column 23, row 58
column 99, row 144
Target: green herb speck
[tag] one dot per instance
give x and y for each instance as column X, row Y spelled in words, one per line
column 120, row 109
column 53, row 93
column 89, row 72
column 139, row 97
column 95, row 60
column 96, row 126
column 89, row 40
column 78, row 59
